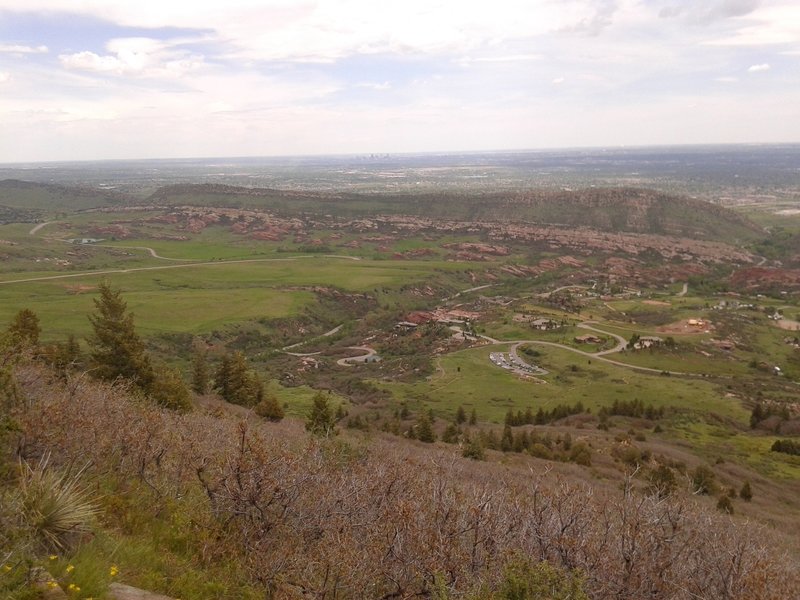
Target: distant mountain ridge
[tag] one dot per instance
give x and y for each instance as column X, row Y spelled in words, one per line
column 618, row 209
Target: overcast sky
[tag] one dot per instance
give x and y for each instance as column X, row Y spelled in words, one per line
column 94, row 79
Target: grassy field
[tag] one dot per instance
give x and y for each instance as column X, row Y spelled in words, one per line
column 468, row 378
column 200, row 298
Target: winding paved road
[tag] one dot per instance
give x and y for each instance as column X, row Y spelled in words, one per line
column 601, row 356
column 361, row 358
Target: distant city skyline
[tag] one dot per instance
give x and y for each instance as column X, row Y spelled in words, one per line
column 133, row 80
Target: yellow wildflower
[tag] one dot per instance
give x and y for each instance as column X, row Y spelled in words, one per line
column 70, row 568
column 73, row 588
column 6, row 568
column 113, row 571
column 52, row 584
column 53, row 557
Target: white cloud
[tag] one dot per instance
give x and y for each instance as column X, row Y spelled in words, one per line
column 378, row 87
column 143, row 57
column 510, row 58
column 273, row 76
column 760, row 68
column 4, row 76
column 21, row 49
column 775, row 22
column 330, row 29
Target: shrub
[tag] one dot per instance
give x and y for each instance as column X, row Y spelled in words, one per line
column 526, row 581
column 725, row 504
column 54, row 507
column 581, row 454
column 746, row 493
column 474, row 449
column 703, row 480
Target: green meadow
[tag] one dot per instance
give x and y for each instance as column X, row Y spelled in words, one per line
column 200, row 298
column 468, row 378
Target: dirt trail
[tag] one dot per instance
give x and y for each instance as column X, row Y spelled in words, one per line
column 180, row 266
column 303, row 342
column 36, row 228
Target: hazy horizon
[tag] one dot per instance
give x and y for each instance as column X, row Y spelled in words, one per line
column 710, row 146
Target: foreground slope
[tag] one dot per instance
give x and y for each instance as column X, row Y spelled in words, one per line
column 299, row 517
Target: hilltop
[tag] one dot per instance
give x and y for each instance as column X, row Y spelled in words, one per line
column 624, row 210
column 48, row 197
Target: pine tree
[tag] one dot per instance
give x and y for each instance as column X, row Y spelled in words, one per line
column 507, row 440
column 236, row 383
column 117, row 350
column 473, row 417
column 461, row 416
column 424, row 430
column 451, row 434
column 200, row 374
column 321, row 421
column 25, row 329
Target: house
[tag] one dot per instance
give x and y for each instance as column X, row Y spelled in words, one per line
column 588, row 339
column 544, row 324
column 647, row 341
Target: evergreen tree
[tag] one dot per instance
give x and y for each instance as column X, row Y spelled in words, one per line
column 473, row 417
column 236, row 383
column 507, row 440
column 461, row 416
column 451, row 434
column 321, row 420
column 24, row 329
column 200, row 374
column 116, row 349
column 424, row 430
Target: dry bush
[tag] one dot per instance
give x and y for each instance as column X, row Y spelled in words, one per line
column 321, row 519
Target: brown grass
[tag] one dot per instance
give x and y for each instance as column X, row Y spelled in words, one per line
column 387, row 519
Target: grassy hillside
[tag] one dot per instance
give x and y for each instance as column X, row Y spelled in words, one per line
column 203, row 505
column 49, row 198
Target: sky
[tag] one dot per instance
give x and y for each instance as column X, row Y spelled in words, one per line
column 125, row 79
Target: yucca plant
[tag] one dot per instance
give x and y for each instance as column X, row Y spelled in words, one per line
column 55, row 506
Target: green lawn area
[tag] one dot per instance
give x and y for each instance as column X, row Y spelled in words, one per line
column 471, row 380
column 200, row 298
